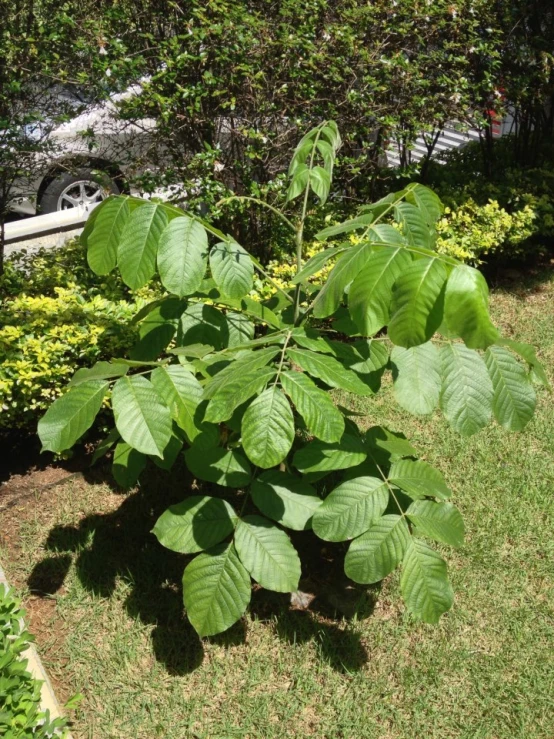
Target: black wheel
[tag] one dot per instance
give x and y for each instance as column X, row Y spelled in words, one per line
column 72, row 189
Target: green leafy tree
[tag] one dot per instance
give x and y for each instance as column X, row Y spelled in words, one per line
column 243, row 387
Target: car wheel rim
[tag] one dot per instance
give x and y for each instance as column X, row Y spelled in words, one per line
column 83, row 193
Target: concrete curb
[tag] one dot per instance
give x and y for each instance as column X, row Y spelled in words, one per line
column 36, row 668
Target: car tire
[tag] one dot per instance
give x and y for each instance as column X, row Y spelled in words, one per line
column 82, row 186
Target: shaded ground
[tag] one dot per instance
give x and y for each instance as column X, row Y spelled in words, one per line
column 105, row 601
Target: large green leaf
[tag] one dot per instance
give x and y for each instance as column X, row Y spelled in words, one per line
column 417, row 303
column 285, row 498
column 353, row 224
column 216, row 590
column 426, row 200
column 157, row 329
column 514, row 397
column 413, row 224
column 351, row 508
column 417, row 377
column 318, row 456
column 330, row 370
column 70, row 416
column 248, row 363
column 127, row 465
column 418, row 479
column 141, row 417
column 104, row 238
column 136, row 253
column 183, row 255
column 99, row 371
column 203, row 324
column 241, row 329
column 345, row 270
column 467, row 392
column 268, row 428
column 466, row 308
column 225, row 467
column 317, row 262
column 322, row 417
column 375, row 554
column 529, row 354
column 238, row 389
column 267, row 553
column 320, row 183
column 171, row 451
column 370, row 294
column 182, row 393
column 198, row 523
column 439, row 521
column 424, row 582
column 232, row 269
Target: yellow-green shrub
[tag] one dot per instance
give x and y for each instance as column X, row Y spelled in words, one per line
column 472, row 232
column 56, row 316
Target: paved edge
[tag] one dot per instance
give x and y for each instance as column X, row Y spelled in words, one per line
column 36, row 668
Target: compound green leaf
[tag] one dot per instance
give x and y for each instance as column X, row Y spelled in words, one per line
column 141, row 417
column 247, row 363
column 439, row 521
column 99, row 371
column 225, row 467
column 241, row 329
column 424, row 582
column 529, row 354
column 351, row 508
column 370, row 294
column 417, row 303
column 320, row 183
column 198, row 523
column 466, row 308
column 467, row 392
column 317, row 262
column 413, row 224
column 353, row 224
column 285, row 498
column 320, row 414
column 236, row 391
column 157, row 329
column 426, row 200
column 127, row 465
column 375, row 554
column 232, row 269
column 136, row 253
column 203, row 324
column 267, row 553
column 70, row 416
column 330, row 370
column 514, row 397
column 216, row 590
column 345, row 270
column 183, row 255
column 182, row 394
column 418, row 479
column 417, row 377
column 105, row 236
column 318, row 456
column 268, row 428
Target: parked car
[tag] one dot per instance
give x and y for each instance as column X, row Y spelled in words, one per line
column 90, row 157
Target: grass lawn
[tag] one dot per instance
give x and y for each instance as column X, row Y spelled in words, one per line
column 105, row 602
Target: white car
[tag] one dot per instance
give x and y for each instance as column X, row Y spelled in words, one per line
column 92, row 156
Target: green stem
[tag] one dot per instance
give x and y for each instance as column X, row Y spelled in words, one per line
column 282, row 359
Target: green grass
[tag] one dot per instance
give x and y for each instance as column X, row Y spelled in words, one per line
column 116, row 631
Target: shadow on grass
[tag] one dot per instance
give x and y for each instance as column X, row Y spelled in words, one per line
column 118, row 545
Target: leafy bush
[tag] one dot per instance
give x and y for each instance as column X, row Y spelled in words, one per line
column 244, row 386
column 56, row 316
column 474, row 232
column 512, row 211
column 20, row 712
